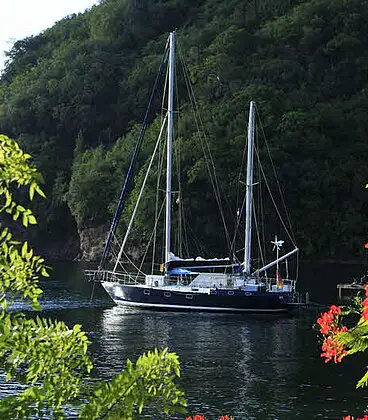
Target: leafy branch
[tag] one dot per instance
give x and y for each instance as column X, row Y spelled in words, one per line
column 48, row 358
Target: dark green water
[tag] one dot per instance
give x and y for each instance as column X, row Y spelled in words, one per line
column 247, row 366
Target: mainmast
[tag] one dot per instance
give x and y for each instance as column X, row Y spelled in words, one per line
column 249, row 191
column 170, row 115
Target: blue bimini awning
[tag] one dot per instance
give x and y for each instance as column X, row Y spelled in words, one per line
column 179, row 270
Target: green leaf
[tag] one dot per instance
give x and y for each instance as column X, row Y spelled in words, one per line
column 32, row 220
column 4, row 232
column 40, row 192
column 32, row 190
column 24, row 249
column 25, row 220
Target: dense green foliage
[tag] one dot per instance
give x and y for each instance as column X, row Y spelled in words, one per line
column 304, row 62
column 46, row 356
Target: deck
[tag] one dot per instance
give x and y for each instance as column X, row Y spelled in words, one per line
column 350, row 286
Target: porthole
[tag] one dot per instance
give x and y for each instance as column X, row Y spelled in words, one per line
column 167, row 294
column 147, row 292
column 230, row 292
column 188, row 296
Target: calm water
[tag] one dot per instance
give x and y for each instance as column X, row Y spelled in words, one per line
column 248, row 366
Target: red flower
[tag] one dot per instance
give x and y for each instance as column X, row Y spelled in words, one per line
column 365, row 313
column 333, row 350
column 365, row 306
column 365, row 302
column 325, row 321
column 358, row 418
column 196, row 417
column 336, row 310
column 200, row 417
column 329, row 320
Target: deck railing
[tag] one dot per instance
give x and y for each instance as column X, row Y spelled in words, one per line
column 133, row 278
column 107, row 275
column 270, row 282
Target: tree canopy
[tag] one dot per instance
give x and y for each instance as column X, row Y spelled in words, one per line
column 304, row 63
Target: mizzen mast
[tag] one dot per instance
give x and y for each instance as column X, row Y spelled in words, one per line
column 249, row 191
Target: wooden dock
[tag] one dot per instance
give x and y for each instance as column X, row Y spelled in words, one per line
column 350, row 286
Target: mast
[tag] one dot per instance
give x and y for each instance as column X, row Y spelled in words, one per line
column 170, row 115
column 249, row 190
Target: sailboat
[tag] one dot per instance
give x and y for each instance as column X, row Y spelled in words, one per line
column 198, row 284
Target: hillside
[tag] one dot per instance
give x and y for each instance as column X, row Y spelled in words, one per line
column 74, row 97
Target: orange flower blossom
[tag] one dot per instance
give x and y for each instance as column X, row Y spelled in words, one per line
column 329, row 327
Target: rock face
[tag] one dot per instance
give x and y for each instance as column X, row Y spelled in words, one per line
column 92, row 242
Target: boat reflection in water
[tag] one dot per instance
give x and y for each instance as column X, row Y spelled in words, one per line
column 229, row 364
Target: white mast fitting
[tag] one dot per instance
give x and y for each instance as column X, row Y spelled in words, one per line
column 277, row 245
column 249, row 191
column 170, row 115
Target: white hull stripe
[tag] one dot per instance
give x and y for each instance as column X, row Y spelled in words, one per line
column 198, row 308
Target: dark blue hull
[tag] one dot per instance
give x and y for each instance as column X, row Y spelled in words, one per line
column 220, row 300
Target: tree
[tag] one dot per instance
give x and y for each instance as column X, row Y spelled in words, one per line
column 45, row 355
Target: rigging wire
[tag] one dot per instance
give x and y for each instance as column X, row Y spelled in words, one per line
column 199, row 245
column 132, row 162
column 177, row 162
column 205, row 146
column 140, row 195
column 129, row 260
column 274, row 202
column 278, row 183
column 260, row 208
column 152, row 237
column 240, row 208
column 159, row 173
column 185, row 231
